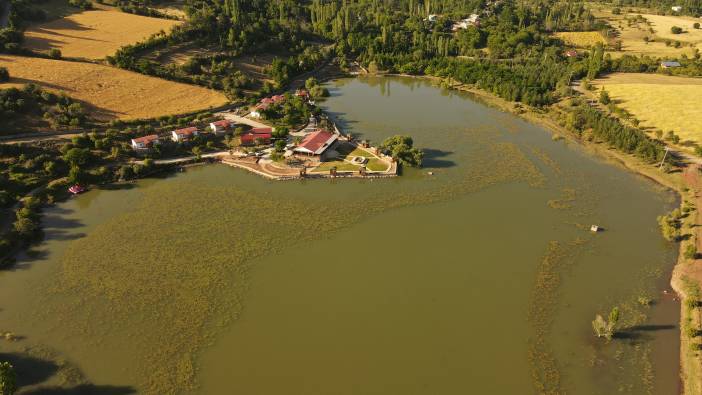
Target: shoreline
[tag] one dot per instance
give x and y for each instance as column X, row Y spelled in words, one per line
column 690, row 369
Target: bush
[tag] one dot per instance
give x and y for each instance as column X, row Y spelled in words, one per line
column 676, row 30
column 4, row 74
column 55, row 53
column 690, row 251
column 696, row 25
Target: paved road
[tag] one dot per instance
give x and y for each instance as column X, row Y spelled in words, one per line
column 187, row 158
column 241, row 120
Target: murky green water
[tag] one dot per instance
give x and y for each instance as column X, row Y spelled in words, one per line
column 482, row 278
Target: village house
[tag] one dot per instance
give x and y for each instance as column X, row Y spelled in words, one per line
column 263, row 105
column 303, row 94
column 183, row 135
column 571, row 53
column 256, row 136
column 676, row 8
column 472, row 20
column 145, row 143
column 220, row 127
column 316, row 143
column 670, row 65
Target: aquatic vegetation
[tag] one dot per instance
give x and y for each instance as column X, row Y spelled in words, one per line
column 565, row 201
column 606, row 328
column 162, row 279
column 546, row 375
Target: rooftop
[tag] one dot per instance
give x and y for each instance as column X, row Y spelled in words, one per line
column 317, row 142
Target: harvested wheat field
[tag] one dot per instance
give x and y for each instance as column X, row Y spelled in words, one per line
column 113, row 93
column 581, row 39
column 659, row 101
column 662, row 24
column 636, row 35
column 94, row 34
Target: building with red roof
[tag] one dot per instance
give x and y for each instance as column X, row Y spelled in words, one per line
column 265, row 103
column 316, row 143
column 256, row 135
column 186, row 134
column 220, row 127
column 146, row 142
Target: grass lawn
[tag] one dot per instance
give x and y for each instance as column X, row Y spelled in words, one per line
column 377, row 165
column 361, row 152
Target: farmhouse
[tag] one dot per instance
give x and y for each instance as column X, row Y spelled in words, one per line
column 316, row 143
column 145, row 143
column 183, row 135
column 571, row 53
column 220, row 127
column 264, row 104
column 676, row 8
column 256, row 135
column 668, row 65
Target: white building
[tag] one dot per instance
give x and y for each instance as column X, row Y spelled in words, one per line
column 220, row 127
column 145, row 143
column 183, row 135
column 676, row 8
column 472, row 20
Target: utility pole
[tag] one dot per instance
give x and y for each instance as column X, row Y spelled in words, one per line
column 664, row 156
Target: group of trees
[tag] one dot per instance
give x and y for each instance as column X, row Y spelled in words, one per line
column 59, row 110
column 588, row 122
column 291, row 112
column 401, row 148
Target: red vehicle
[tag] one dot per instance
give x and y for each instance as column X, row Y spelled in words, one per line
column 76, row 189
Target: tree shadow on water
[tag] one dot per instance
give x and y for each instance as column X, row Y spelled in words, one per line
column 32, row 372
column 433, row 159
column 85, row 389
column 642, row 332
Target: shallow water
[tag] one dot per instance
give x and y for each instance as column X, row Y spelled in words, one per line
column 480, row 279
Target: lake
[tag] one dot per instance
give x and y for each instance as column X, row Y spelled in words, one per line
column 480, row 278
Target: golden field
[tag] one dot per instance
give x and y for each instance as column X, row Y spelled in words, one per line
column 94, row 34
column 112, row 93
column 632, row 34
column 662, row 24
column 581, row 39
column 659, row 101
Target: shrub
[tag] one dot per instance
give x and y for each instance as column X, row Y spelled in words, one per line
column 4, row 74
column 676, row 30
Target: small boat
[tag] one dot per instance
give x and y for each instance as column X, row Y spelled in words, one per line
column 76, row 189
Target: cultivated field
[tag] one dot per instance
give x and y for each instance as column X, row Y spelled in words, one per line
column 94, row 34
column 659, row 101
column 662, row 24
column 113, row 93
column 633, row 31
column 581, row 39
